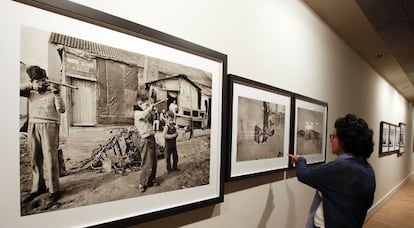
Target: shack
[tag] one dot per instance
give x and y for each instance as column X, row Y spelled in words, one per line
column 192, row 99
column 108, row 79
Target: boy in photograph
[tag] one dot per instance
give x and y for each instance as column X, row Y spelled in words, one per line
column 170, row 135
column 45, row 105
column 163, row 118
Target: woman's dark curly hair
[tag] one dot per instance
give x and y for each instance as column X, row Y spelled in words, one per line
column 354, row 136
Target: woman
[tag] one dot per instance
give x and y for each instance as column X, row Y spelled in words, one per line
column 345, row 187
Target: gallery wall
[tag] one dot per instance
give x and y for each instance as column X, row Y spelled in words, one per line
column 284, row 44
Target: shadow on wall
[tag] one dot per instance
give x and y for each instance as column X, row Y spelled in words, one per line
column 209, row 212
column 242, row 184
column 291, row 210
column 183, row 219
column 268, row 209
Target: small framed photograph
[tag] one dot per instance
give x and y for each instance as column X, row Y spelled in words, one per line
column 384, row 138
column 259, row 122
column 392, row 136
column 397, row 138
column 310, row 129
column 401, row 139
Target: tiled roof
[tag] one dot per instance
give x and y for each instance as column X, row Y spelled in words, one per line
column 94, row 48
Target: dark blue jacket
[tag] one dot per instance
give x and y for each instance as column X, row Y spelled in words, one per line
column 347, row 185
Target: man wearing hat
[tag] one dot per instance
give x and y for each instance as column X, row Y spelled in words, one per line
column 45, row 105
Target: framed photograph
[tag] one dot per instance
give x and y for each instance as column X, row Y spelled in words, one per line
column 384, row 138
column 401, row 137
column 397, row 138
column 392, row 138
column 310, row 129
column 259, row 122
column 132, row 117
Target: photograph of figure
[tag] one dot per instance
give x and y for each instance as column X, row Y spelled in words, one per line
column 260, row 132
column 402, row 137
column 259, row 128
column 44, row 106
column 397, row 138
column 92, row 123
column 391, row 138
column 385, row 137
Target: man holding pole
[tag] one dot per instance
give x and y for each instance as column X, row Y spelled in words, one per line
column 45, row 104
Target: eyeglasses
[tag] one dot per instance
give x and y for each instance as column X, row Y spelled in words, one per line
column 331, row 136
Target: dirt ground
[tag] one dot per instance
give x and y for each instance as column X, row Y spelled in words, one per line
column 306, row 147
column 85, row 186
column 272, row 148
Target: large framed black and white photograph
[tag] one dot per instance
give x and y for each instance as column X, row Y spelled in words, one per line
column 260, row 122
column 118, row 123
column 310, row 129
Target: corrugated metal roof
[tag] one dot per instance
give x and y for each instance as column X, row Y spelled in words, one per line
column 94, row 48
column 173, row 77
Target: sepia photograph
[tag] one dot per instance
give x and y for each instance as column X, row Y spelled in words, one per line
column 402, row 137
column 309, row 132
column 260, row 130
column 397, row 138
column 108, row 120
column 385, row 131
column 260, row 127
column 391, row 138
column 310, row 129
column 105, row 103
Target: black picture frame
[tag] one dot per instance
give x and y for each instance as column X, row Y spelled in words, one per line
column 259, row 116
column 385, row 146
column 402, row 138
column 310, row 127
column 127, row 212
column 392, row 138
column 396, row 138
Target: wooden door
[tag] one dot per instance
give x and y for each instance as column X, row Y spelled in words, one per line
column 83, row 103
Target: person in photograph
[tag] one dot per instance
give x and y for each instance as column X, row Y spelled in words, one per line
column 163, row 118
column 173, row 107
column 170, row 135
column 142, row 121
column 384, row 139
column 45, row 106
column 391, row 138
column 345, row 187
column 155, row 119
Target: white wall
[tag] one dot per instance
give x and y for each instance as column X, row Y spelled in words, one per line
column 284, row 44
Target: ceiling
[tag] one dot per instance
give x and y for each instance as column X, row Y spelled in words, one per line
column 381, row 31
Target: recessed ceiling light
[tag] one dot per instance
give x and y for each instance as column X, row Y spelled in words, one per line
column 380, row 55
